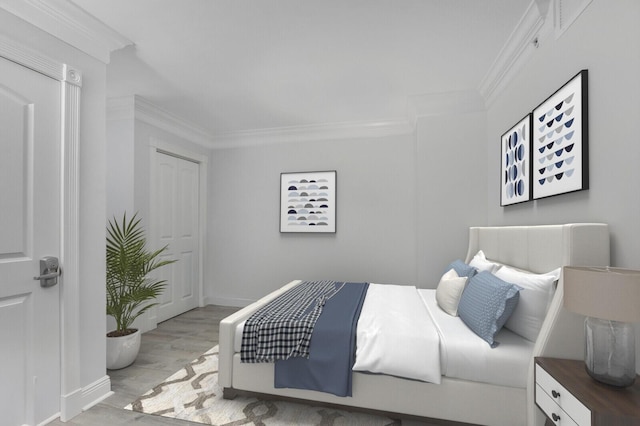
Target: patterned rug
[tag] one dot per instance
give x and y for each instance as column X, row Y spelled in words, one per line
column 193, row 394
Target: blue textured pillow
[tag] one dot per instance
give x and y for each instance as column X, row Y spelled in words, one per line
column 486, row 304
column 461, row 268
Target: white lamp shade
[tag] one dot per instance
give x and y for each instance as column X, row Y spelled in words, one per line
column 606, row 293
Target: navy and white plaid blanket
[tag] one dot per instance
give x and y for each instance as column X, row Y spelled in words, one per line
column 282, row 329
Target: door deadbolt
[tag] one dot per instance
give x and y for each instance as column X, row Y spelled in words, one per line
column 49, row 271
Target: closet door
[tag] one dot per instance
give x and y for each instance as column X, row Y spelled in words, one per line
column 176, row 212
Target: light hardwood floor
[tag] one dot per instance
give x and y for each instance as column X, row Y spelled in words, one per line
column 163, row 351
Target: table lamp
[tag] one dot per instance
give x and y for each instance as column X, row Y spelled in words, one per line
column 610, row 300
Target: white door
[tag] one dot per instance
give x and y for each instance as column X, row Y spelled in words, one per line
column 30, row 158
column 176, row 214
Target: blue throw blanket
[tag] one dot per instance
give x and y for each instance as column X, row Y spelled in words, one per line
column 332, row 347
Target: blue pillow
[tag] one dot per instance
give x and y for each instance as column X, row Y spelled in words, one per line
column 486, row 304
column 461, row 268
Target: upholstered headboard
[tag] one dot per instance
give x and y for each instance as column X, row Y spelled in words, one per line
column 544, row 247
column 541, row 249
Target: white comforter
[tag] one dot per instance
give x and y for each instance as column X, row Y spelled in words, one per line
column 396, row 335
column 466, row 356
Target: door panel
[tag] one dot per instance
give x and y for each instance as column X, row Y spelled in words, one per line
column 29, row 230
column 16, row 116
column 176, row 213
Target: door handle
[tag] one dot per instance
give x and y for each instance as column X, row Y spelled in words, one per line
column 49, row 271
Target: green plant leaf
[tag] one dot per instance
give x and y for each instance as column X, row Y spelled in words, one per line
column 130, row 290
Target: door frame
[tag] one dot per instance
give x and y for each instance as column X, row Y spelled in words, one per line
column 70, row 86
column 156, row 146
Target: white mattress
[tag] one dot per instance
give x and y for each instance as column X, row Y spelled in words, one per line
column 464, row 355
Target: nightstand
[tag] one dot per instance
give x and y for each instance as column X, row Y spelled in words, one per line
column 570, row 397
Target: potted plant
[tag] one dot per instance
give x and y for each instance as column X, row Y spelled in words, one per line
column 130, row 290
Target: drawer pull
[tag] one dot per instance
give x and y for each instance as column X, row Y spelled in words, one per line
column 555, row 417
column 555, row 394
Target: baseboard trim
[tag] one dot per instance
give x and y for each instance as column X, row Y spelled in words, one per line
column 49, row 420
column 227, row 301
column 81, row 400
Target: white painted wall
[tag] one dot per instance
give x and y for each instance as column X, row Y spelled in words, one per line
column 453, row 187
column 131, row 131
column 451, row 179
column 375, row 239
column 436, row 181
column 605, row 39
column 131, row 134
column 120, row 160
column 405, row 203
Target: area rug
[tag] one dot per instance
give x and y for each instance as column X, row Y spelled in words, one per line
column 193, row 394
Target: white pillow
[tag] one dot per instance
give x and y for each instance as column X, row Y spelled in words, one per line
column 481, row 263
column 449, row 292
column 535, row 298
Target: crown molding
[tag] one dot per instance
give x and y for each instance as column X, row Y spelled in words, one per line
column 139, row 108
column 521, row 44
column 312, row 133
column 566, row 13
column 69, row 23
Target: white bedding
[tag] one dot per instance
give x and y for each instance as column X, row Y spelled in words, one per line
column 538, row 249
column 464, row 355
column 402, row 332
column 396, row 336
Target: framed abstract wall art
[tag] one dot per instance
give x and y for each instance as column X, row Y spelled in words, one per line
column 308, row 201
column 515, row 168
column 560, row 140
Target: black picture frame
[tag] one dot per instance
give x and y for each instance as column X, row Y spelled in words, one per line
column 515, row 165
column 308, row 202
column 560, row 141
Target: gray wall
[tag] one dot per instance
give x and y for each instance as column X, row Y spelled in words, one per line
column 437, row 181
column 405, row 203
column 129, row 144
column 451, row 188
column 121, row 167
column 375, row 239
column 606, row 41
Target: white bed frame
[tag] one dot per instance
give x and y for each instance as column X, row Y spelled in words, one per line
column 535, row 248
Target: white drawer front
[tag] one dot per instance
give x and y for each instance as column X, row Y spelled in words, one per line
column 552, row 410
column 567, row 402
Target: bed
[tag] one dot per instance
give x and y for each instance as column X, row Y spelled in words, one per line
column 536, row 249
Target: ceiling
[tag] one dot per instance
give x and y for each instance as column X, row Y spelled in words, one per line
column 232, row 66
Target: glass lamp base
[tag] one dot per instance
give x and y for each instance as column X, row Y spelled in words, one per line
column 610, row 351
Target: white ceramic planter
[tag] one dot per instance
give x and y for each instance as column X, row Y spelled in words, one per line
column 122, row 351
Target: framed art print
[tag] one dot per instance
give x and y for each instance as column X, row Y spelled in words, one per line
column 515, row 168
column 560, row 140
column 308, row 202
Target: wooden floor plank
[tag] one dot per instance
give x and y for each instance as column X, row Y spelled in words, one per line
column 163, row 351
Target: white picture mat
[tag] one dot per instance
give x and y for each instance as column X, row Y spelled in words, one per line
column 558, row 148
column 313, row 200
